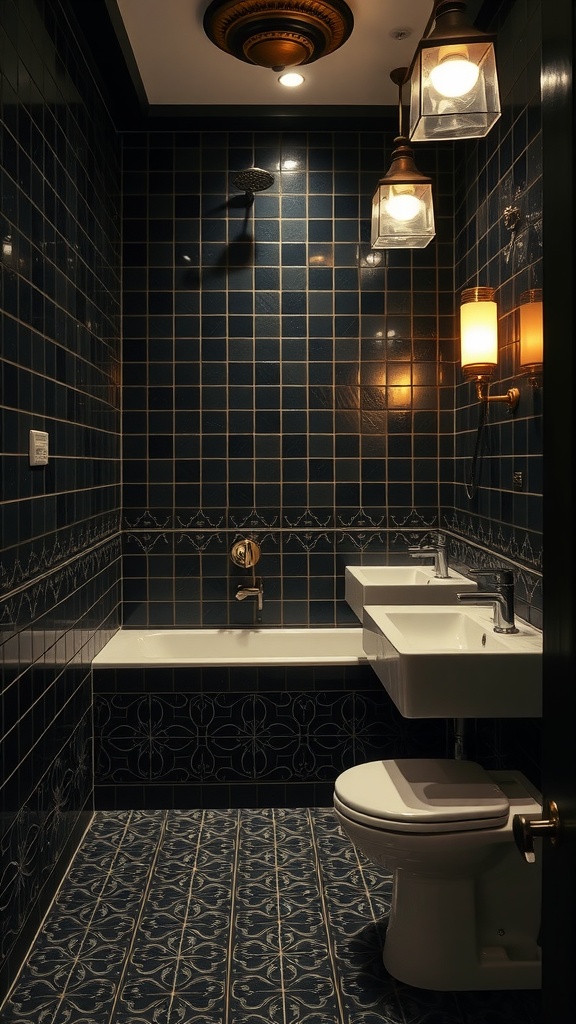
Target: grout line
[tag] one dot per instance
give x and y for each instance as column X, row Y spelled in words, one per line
column 130, row 950
column 324, row 906
column 279, row 920
column 232, row 918
column 109, row 872
column 193, row 871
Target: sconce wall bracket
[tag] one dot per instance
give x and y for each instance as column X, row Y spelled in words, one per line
column 512, row 396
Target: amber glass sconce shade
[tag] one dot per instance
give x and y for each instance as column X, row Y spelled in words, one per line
column 479, row 343
column 454, row 83
column 532, row 335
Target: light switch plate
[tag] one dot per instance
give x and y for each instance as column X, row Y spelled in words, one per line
column 38, row 448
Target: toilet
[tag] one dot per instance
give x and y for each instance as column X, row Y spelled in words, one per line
column 465, row 903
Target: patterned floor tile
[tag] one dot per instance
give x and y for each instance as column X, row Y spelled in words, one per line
column 228, row 917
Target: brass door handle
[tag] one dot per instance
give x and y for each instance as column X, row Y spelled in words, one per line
column 526, row 830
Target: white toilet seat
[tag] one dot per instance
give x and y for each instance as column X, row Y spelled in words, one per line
column 421, row 795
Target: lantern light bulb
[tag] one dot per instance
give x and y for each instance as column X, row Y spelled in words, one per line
column 454, row 76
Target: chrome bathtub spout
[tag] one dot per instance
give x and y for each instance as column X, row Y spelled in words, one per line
column 501, row 598
column 256, row 589
column 436, row 549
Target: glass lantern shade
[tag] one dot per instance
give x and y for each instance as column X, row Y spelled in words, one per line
column 454, row 83
column 402, row 205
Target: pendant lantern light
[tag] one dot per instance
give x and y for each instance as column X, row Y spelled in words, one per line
column 402, row 205
column 454, row 83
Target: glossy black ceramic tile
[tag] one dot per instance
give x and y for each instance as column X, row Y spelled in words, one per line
column 266, row 410
column 267, row 314
column 59, row 568
column 186, row 576
column 229, row 917
column 504, row 174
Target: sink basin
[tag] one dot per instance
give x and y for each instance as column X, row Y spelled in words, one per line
column 446, row 661
column 401, row 584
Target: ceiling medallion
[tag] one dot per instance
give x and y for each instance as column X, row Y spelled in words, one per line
column 278, row 34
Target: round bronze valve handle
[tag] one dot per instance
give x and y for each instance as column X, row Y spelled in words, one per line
column 245, row 553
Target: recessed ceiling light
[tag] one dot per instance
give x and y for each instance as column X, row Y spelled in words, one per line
column 291, row 79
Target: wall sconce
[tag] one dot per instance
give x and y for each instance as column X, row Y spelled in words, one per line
column 454, row 84
column 532, row 336
column 402, row 205
column 479, row 343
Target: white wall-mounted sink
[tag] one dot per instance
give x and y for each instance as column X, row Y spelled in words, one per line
column 401, row 584
column 447, row 662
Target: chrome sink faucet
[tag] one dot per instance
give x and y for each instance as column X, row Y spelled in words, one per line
column 435, row 548
column 255, row 589
column 501, row 598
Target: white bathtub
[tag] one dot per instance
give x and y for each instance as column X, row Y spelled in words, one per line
column 146, row 648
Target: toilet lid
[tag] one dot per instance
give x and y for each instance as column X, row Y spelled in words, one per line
column 421, row 795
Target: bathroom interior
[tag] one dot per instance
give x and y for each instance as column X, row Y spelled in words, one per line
column 243, row 398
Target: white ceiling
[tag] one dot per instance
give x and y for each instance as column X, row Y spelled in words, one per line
column 178, row 65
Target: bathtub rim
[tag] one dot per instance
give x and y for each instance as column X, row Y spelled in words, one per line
column 123, row 651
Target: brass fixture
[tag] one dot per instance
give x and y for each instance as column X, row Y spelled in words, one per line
column 255, row 589
column 531, row 312
column 245, row 553
column 512, row 217
column 278, row 34
column 454, row 83
column 525, row 830
column 479, row 343
column 402, row 206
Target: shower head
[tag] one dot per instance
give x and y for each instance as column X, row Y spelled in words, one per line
column 252, row 180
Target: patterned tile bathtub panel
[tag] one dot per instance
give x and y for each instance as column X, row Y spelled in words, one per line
column 228, row 917
column 246, row 744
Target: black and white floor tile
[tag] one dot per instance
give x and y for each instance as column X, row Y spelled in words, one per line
column 227, row 917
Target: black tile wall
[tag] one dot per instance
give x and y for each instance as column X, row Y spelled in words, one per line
column 280, row 379
column 59, row 566
column 495, row 175
column 500, row 525
column 285, row 382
